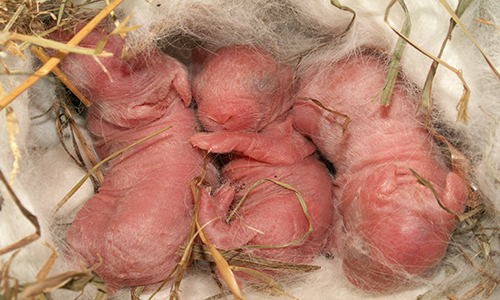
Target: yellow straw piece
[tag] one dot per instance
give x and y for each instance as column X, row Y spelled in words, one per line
column 13, row 128
column 44, row 58
column 54, row 61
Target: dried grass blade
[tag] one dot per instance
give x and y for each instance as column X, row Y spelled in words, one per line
column 481, row 208
column 14, row 17
column 490, row 287
column 484, row 244
column 44, row 58
column 54, row 61
column 135, row 292
column 462, row 7
column 474, row 291
column 6, row 70
column 8, row 293
column 95, row 281
column 15, row 49
column 318, row 103
column 201, row 252
column 462, row 26
column 221, row 263
column 393, row 71
column 459, row 163
column 273, row 285
column 80, row 280
column 302, row 204
column 83, row 142
column 337, row 4
column 464, row 99
column 223, row 267
column 104, row 69
column 79, row 161
column 120, row 29
column 21, row 243
column 101, row 296
column 490, row 276
column 42, row 275
column 481, row 20
column 115, row 19
column 429, row 185
column 82, row 181
column 31, row 218
column 54, row 282
column 62, row 122
column 226, row 273
column 164, row 282
column 425, row 96
column 13, row 129
column 52, row 44
column 61, row 11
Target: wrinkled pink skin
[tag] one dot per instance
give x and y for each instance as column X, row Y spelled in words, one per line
column 142, row 212
column 393, row 227
column 243, row 98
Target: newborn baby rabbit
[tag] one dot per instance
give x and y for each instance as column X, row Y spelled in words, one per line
column 393, row 227
column 142, row 212
column 243, row 96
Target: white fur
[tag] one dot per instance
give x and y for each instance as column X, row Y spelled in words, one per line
column 46, row 174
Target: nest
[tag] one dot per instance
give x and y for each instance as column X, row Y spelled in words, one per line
column 474, row 243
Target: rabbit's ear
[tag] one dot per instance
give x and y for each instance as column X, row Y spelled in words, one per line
column 182, row 86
